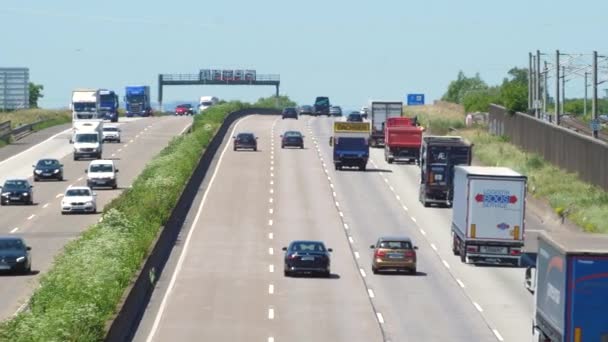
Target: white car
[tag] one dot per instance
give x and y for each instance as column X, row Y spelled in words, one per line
column 101, row 173
column 111, row 133
column 79, row 199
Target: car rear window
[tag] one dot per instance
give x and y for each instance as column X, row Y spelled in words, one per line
column 308, row 247
column 396, row 244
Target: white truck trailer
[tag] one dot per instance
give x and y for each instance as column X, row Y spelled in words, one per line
column 488, row 214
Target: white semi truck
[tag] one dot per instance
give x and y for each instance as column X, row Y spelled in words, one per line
column 488, row 214
column 87, row 124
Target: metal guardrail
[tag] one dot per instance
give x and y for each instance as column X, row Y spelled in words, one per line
column 19, row 132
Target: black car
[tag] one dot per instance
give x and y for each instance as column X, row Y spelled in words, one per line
column 322, row 105
column 354, row 117
column 17, row 191
column 48, row 169
column 307, row 257
column 306, row 110
column 293, row 139
column 15, row 255
column 245, row 141
column 289, row 112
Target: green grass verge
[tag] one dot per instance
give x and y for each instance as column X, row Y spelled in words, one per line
column 584, row 204
column 52, row 122
column 81, row 291
column 29, row 116
column 438, row 119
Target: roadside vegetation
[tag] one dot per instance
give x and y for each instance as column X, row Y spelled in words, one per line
column 81, row 291
column 29, row 116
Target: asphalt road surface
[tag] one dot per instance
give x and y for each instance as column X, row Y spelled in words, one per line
column 224, row 280
column 42, row 225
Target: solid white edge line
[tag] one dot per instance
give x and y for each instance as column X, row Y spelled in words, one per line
column 34, row 146
column 380, row 317
column 478, row 307
column 460, row 283
column 370, row 292
column 14, row 230
column 183, row 252
column 498, row 335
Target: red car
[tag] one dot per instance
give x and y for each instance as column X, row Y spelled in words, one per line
column 184, row 109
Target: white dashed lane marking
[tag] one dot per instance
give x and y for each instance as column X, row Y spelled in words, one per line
column 380, row 317
column 478, row 307
column 14, row 230
column 498, row 335
column 370, row 292
column 270, row 289
column 270, row 236
column 460, row 283
column 31, row 217
column 271, row 268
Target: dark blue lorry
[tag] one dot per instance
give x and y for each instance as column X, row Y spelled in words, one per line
column 350, row 143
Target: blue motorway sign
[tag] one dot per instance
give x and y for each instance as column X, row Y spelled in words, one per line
column 415, row 99
column 595, row 125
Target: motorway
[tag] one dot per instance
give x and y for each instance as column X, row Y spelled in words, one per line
column 42, row 225
column 224, row 279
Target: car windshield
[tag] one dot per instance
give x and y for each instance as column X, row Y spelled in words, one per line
column 48, row 163
column 206, row 103
column 16, row 185
column 307, row 247
column 289, row 110
column 292, row 134
column 101, row 168
column 395, row 244
column 87, row 138
column 244, row 137
column 15, row 244
column 355, row 118
column 110, row 129
column 77, row 192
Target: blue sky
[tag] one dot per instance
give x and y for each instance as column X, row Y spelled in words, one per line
column 351, row 51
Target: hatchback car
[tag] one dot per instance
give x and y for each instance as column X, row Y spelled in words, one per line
column 79, row 199
column 17, row 191
column 48, row 169
column 111, row 133
column 292, row 139
column 393, row 252
column 289, row 113
column 335, row 111
column 184, row 109
column 307, row 257
column 14, row 255
column 354, row 117
column 245, row 141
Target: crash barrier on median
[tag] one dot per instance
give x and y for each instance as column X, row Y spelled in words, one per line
column 16, row 134
column 125, row 323
column 5, row 130
column 564, row 148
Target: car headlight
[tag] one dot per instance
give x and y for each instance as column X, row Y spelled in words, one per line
column 26, row 194
column 38, row 172
column 20, row 259
column 56, row 171
column 89, row 203
column 6, row 193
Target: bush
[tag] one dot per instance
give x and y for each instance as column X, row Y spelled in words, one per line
column 84, row 286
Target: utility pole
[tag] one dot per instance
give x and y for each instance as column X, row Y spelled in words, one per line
column 545, row 88
column 537, row 88
column 563, row 89
column 594, row 91
column 585, row 101
column 530, row 80
column 557, row 101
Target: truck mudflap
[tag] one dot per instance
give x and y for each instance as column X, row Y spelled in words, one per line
column 401, row 154
column 435, row 195
column 376, row 140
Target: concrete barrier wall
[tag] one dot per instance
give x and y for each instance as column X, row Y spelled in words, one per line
column 125, row 323
column 562, row 147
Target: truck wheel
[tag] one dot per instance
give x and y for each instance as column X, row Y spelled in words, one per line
column 463, row 254
column 455, row 244
column 390, row 160
column 75, row 158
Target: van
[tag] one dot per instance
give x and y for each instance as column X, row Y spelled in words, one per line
column 206, row 102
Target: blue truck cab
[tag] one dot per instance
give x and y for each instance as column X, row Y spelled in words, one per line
column 350, row 142
column 571, row 294
column 137, row 101
column 107, row 102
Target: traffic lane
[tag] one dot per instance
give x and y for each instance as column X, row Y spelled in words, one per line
column 49, row 191
column 498, row 291
column 48, row 231
column 308, row 308
column 31, row 140
column 405, row 301
column 218, row 293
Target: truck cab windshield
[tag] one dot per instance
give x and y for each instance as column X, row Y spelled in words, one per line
column 84, row 107
column 87, row 138
column 135, row 98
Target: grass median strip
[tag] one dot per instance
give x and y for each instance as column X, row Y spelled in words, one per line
column 86, row 282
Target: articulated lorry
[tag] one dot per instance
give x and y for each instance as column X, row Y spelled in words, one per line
column 402, row 140
column 488, row 216
column 137, row 101
column 438, row 156
column 571, row 294
column 350, row 144
column 84, row 105
column 108, row 104
column 379, row 112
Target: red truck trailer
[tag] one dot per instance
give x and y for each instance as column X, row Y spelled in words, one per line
column 402, row 140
